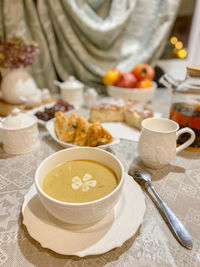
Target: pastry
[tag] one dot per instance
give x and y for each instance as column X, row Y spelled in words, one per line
column 64, row 130
column 81, row 132
column 108, row 109
column 135, row 114
column 78, row 130
column 97, row 135
column 74, row 119
column 120, row 110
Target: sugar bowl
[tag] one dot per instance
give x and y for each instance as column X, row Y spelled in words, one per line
column 19, row 133
column 71, row 91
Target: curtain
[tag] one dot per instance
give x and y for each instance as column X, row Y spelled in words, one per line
column 85, row 38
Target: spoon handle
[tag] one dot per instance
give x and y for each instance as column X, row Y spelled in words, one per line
column 180, row 231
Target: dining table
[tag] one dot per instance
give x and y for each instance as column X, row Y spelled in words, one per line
column 154, row 243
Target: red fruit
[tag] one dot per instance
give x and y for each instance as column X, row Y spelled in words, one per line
column 142, row 71
column 127, row 80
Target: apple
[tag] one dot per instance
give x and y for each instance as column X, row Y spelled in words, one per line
column 127, row 80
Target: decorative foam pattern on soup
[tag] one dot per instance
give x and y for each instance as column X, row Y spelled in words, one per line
column 80, row 181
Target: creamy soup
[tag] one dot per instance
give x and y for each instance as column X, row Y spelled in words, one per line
column 80, row 181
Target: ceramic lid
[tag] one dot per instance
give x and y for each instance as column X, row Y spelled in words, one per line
column 91, row 92
column 72, row 83
column 18, row 120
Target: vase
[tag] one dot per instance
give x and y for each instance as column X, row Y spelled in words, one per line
column 17, row 86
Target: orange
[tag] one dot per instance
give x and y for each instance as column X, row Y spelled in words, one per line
column 111, row 77
column 145, row 83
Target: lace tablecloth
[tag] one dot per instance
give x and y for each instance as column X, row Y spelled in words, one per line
column 153, row 245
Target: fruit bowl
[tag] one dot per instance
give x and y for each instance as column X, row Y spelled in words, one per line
column 144, row 94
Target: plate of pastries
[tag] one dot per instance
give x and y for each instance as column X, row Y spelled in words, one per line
column 72, row 129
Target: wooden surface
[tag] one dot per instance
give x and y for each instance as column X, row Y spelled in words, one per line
column 6, row 109
column 195, row 68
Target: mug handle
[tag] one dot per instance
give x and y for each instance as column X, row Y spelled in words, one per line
column 188, row 142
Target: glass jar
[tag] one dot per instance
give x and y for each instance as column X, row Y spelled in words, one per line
column 185, row 103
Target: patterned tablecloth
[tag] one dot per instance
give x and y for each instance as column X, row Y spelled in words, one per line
column 154, row 244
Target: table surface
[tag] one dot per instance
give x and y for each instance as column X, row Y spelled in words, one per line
column 153, row 245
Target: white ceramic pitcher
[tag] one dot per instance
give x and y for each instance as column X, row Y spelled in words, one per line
column 157, row 143
column 19, row 87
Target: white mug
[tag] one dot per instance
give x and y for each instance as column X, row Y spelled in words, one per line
column 157, row 143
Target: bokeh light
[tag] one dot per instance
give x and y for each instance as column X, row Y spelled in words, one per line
column 173, row 40
column 175, row 51
column 179, row 45
column 182, row 53
column 178, row 49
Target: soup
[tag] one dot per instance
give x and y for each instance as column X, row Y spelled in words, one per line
column 80, row 181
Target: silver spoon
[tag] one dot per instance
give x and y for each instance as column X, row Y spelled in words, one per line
column 180, row 231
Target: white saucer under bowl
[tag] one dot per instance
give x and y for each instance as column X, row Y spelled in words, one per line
column 91, row 239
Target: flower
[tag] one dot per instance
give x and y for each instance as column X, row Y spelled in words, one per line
column 85, row 185
column 15, row 53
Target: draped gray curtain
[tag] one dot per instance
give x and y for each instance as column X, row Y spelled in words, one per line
column 85, row 38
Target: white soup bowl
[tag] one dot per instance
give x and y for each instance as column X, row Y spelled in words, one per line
column 86, row 212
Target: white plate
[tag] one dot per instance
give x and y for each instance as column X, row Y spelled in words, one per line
column 40, row 108
column 91, row 239
column 123, row 130
column 50, row 126
column 43, row 123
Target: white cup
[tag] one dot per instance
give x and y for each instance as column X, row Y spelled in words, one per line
column 157, row 143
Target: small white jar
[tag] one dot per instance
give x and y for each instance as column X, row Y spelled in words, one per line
column 90, row 97
column 72, row 91
column 19, row 133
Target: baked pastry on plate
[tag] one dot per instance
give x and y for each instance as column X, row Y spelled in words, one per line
column 82, row 132
column 97, row 135
column 64, row 130
column 78, row 130
column 120, row 110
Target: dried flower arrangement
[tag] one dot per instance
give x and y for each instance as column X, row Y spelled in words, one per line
column 15, row 53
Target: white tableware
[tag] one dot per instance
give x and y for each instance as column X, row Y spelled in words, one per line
column 41, row 123
column 179, row 230
column 90, row 97
column 19, row 87
column 86, row 212
column 16, row 85
column 157, row 143
column 124, row 131
column 144, row 95
column 92, row 239
column 50, row 126
column 40, row 108
column 71, row 91
column 19, row 133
